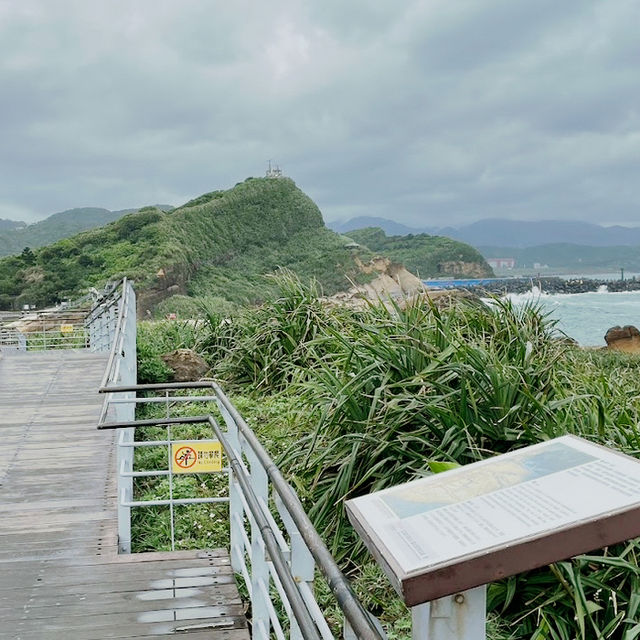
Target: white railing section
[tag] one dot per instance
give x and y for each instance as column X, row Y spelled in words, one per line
column 278, row 563
column 12, row 339
column 126, row 500
column 111, row 326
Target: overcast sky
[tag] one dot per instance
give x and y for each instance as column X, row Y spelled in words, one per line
column 430, row 113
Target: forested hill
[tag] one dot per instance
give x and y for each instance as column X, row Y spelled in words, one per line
column 222, row 244
column 15, row 237
column 425, row 255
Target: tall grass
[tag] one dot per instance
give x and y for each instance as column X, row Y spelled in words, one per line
column 395, row 388
column 263, row 347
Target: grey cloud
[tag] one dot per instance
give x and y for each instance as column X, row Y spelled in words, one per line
column 416, row 111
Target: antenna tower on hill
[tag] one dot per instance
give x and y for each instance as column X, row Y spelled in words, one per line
column 274, row 172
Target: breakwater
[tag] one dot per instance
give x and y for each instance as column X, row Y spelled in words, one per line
column 550, row 285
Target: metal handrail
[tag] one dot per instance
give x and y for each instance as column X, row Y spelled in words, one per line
column 359, row 620
column 303, row 617
column 113, row 295
column 117, row 334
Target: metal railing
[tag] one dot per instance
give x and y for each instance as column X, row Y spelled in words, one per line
column 65, row 327
column 60, row 329
column 12, row 339
column 277, row 563
column 111, row 325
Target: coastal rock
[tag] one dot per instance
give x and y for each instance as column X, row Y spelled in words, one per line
column 169, row 281
column 625, row 339
column 186, row 364
column 447, row 298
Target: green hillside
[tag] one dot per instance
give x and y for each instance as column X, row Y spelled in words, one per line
column 426, row 255
column 220, row 244
column 14, row 238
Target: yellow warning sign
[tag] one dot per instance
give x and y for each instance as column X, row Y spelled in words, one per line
column 196, row 457
column 66, row 328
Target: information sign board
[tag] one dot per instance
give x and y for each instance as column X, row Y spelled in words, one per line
column 196, row 457
column 469, row 526
column 66, row 328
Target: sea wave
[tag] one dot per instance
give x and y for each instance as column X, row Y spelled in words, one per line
column 585, row 317
column 535, row 294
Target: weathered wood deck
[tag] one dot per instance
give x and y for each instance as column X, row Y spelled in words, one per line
column 60, row 575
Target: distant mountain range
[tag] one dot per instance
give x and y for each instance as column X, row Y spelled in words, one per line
column 390, row 227
column 11, row 224
column 495, row 232
column 16, row 235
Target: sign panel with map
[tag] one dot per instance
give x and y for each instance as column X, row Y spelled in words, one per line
column 468, row 526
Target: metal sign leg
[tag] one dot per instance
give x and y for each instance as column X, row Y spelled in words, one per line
column 459, row 617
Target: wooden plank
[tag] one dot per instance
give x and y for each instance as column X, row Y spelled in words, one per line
column 60, row 575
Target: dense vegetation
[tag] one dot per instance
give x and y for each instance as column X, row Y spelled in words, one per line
column 428, row 256
column 220, row 244
column 353, row 401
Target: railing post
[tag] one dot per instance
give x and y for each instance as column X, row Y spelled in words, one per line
column 458, row 617
column 236, row 510
column 259, row 567
column 125, row 489
column 302, row 562
column 113, row 322
column 125, row 412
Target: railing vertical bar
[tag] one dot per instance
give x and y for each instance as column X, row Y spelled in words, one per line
column 273, row 616
column 259, row 568
column 170, row 466
column 314, row 608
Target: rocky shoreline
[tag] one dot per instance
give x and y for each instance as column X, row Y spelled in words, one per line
column 551, row 285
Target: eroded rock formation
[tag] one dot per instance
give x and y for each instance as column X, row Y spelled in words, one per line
column 625, row 339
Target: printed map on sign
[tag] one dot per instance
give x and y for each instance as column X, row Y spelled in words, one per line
column 196, row 457
column 409, row 500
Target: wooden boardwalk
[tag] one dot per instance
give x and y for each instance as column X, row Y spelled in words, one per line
column 60, row 575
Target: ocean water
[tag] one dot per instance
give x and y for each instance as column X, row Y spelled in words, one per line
column 585, row 317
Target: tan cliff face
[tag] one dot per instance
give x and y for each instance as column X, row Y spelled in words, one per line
column 391, row 280
column 394, row 281
column 169, row 281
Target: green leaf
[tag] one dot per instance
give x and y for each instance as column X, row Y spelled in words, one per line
column 439, row 467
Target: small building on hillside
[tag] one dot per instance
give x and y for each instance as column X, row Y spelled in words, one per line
column 502, row 263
